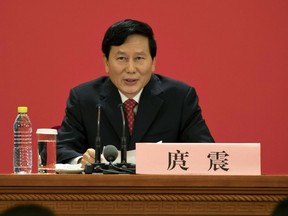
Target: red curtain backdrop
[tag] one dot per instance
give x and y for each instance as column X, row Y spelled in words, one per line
column 234, row 52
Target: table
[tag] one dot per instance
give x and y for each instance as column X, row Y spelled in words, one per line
column 98, row 194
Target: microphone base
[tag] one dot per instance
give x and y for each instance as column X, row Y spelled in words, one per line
column 126, row 165
column 95, row 168
column 102, row 168
column 129, row 167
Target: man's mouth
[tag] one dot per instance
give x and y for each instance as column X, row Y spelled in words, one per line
column 130, row 81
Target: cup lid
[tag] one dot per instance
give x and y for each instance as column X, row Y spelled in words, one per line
column 46, row 131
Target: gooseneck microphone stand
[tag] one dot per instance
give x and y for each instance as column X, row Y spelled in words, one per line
column 110, row 153
column 124, row 164
column 96, row 167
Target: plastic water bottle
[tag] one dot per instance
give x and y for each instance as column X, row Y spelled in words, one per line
column 22, row 142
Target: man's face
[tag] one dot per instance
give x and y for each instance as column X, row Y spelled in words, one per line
column 130, row 65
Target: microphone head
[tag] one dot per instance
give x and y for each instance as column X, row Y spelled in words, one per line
column 110, row 153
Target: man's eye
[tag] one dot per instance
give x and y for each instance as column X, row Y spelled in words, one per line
column 140, row 58
column 121, row 58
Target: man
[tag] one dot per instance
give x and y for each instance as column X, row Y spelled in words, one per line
column 28, row 210
column 167, row 110
column 281, row 209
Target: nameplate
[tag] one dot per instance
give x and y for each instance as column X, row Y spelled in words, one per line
column 198, row 158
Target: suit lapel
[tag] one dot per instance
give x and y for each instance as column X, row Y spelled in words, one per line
column 110, row 100
column 149, row 106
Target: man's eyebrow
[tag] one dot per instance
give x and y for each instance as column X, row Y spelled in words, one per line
column 124, row 53
column 141, row 53
column 120, row 53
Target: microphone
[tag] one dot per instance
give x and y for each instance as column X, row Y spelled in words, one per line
column 98, row 141
column 110, row 153
column 123, row 138
column 97, row 167
column 126, row 166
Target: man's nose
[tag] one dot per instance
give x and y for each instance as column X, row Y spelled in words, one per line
column 131, row 66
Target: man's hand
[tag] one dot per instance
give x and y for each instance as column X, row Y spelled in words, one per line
column 88, row 157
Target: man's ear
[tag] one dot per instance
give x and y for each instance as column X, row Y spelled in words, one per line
column 154, row 64
column 105, row 60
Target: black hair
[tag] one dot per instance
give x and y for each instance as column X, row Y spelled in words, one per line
column 281, row 208
column 28, row 210
column 117, row 34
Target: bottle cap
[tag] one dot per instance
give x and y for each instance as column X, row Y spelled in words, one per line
column 46, row 131
column 22, row 109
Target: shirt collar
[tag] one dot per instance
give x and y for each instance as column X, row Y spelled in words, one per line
column 136, row 98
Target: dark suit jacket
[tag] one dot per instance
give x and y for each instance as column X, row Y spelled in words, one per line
column 168, row 111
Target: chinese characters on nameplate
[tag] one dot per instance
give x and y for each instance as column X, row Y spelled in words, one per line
column 198, row 158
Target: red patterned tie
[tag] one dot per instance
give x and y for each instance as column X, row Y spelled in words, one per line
column 129, row 106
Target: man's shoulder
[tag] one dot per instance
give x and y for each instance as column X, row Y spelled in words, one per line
column 96, row 83
column 170, row 83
